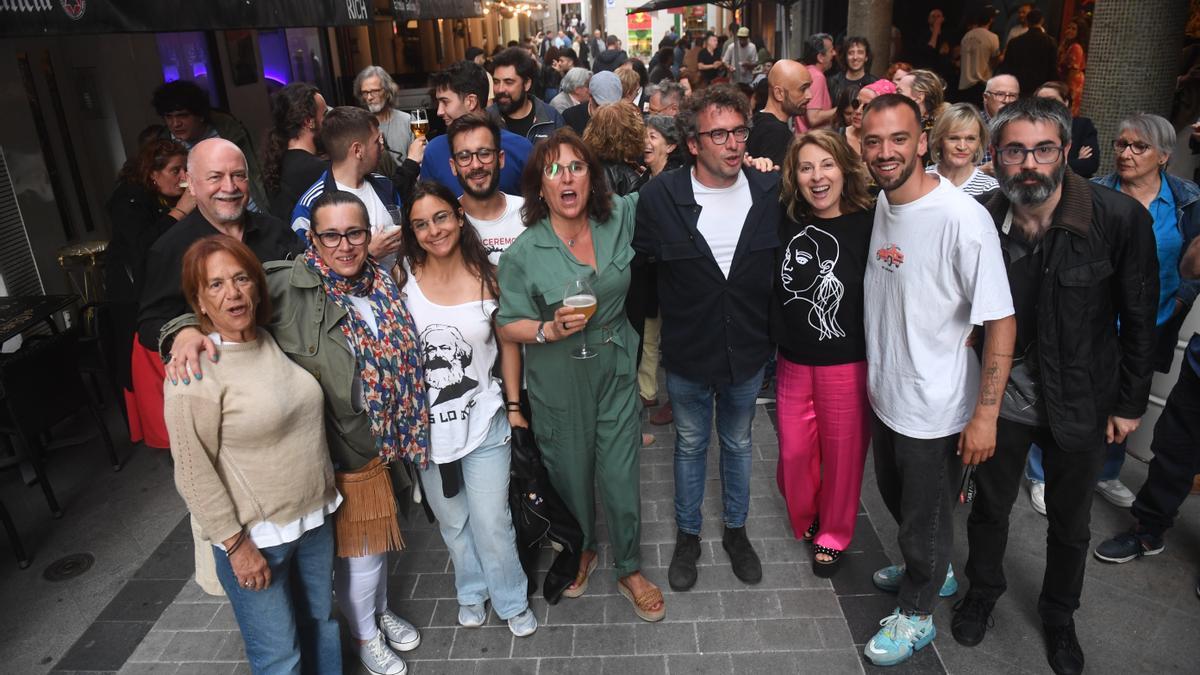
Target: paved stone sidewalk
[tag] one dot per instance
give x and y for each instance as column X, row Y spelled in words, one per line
column 1139, row 617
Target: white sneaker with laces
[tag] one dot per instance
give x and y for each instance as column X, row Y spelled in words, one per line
column 379, row 659
column 1037, row 496
column 1115, row 492
column 472, row 616
column 400, row 634
column 523, row 624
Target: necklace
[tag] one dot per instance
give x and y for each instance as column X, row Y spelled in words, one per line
column 571, row 240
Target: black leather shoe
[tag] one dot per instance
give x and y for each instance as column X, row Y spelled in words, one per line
column 1062, row 649
column 682, row 573
column 972, row 619
column 742, row 557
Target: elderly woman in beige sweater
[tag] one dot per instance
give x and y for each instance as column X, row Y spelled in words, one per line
column 252, row 464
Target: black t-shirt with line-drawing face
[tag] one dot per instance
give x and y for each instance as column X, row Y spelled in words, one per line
column 817, row 308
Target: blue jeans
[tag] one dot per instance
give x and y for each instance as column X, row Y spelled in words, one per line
column 288, row 627
column 1114, row 459
column 692, row 403
column 478, row 527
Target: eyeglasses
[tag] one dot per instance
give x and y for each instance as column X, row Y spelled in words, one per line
column 485, row 155
column 1042, row 154
column 438, row 219
column 1002, row 95
column 575, row 168
column 371, row 93
column 331, row 239
column 1136, row 147
column 720, row 136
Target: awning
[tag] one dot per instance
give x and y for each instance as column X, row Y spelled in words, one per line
column 655, row 5
column 437, row 9
column 23, row 18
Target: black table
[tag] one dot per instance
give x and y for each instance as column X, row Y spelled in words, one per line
column 19, row 313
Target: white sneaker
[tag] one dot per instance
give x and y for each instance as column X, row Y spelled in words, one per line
column 1037, row 496
column 400, row 634
column 523, row 624
column 472, row 616
column 1115, row 492
column 377, row 658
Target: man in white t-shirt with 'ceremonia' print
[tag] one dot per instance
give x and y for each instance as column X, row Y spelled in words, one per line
column 476, row 159
column 935, row 272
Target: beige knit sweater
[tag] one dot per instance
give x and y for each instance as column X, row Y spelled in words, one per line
column 249, row 440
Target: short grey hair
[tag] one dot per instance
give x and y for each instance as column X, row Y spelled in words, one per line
column 665, row 125
column 576, row 78
column 1032, row 109
column 667, row 91
column 1153, row 129
column 389, row 85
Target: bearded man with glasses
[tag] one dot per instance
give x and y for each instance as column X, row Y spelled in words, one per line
column 1078, row 256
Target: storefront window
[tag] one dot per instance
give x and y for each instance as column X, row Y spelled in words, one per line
column 184, row 56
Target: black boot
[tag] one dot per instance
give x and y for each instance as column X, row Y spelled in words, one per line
column 742, row 557
column 1062, row 649
column 682, row 573
column 972, row 618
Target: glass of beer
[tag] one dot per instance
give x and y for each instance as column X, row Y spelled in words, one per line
column 580, row 297
column 420, row 123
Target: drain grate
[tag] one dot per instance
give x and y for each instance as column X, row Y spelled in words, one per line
column 68, row 567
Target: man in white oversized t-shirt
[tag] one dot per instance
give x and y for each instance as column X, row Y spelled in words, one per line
column 476, row 159
column 935, row 272
column 354, row 143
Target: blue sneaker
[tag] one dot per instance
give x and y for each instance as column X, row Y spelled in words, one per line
column 888, row 579
column 900, row 636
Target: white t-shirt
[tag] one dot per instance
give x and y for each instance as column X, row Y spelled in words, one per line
column 459, row 349
column 499, row 234
column 979, row 46
column 722, row 215
column 935, row 270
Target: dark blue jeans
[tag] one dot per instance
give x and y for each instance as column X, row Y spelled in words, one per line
column 692, row 403
column 288, row 626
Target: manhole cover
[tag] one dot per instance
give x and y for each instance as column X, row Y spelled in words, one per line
column 68, row 567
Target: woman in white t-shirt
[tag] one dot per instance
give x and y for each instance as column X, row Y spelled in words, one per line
column 956, row 147
column 451, row 291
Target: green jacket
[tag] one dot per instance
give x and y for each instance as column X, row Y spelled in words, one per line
column 305, row 325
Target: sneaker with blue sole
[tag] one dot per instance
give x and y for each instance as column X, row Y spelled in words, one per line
column 888, row 579
column 900, row 636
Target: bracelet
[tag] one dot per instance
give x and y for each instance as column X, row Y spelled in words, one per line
column 512, row 406
column 177, row 210
column 241, row 539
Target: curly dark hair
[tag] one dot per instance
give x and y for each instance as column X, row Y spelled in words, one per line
column 180, row 95
column 291, row 108
column 720, row 96
column 474, row 253
column 546, row 152
column 151, row 156
column 520, row 60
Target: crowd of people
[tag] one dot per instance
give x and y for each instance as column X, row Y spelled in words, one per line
column 921, row 271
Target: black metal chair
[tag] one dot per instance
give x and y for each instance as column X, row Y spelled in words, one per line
column 40, row 387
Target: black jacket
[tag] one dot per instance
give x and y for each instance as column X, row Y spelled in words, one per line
column 1083, row 132
column 623, row 179
column 1032, row 58
column 608, row 59
column 578, row 116
column 162, row 297
column 714, row 330
column 1100, row 263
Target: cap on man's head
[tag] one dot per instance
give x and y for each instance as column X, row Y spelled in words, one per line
column 605, row 87
column 743, row 32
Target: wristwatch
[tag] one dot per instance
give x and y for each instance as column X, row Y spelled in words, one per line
column 541, row 334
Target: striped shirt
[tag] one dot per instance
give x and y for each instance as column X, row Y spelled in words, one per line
column 979, row 182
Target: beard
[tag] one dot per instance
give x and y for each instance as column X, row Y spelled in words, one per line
column 440, row 373
column 487, row 191
column 374, row 108
column 1018, row 192
column 906, row 171
column 509, row 105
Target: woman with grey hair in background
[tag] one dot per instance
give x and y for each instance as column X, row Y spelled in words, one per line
column 573, row 89
column 1141, row 150
column 377, row 92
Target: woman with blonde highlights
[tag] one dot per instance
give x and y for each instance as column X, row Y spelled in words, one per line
column 956, row 147
column 817, row 321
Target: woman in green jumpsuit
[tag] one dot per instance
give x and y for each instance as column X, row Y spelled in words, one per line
column 585, row 411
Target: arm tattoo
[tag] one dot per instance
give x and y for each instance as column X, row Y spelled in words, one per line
column 991, row 387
